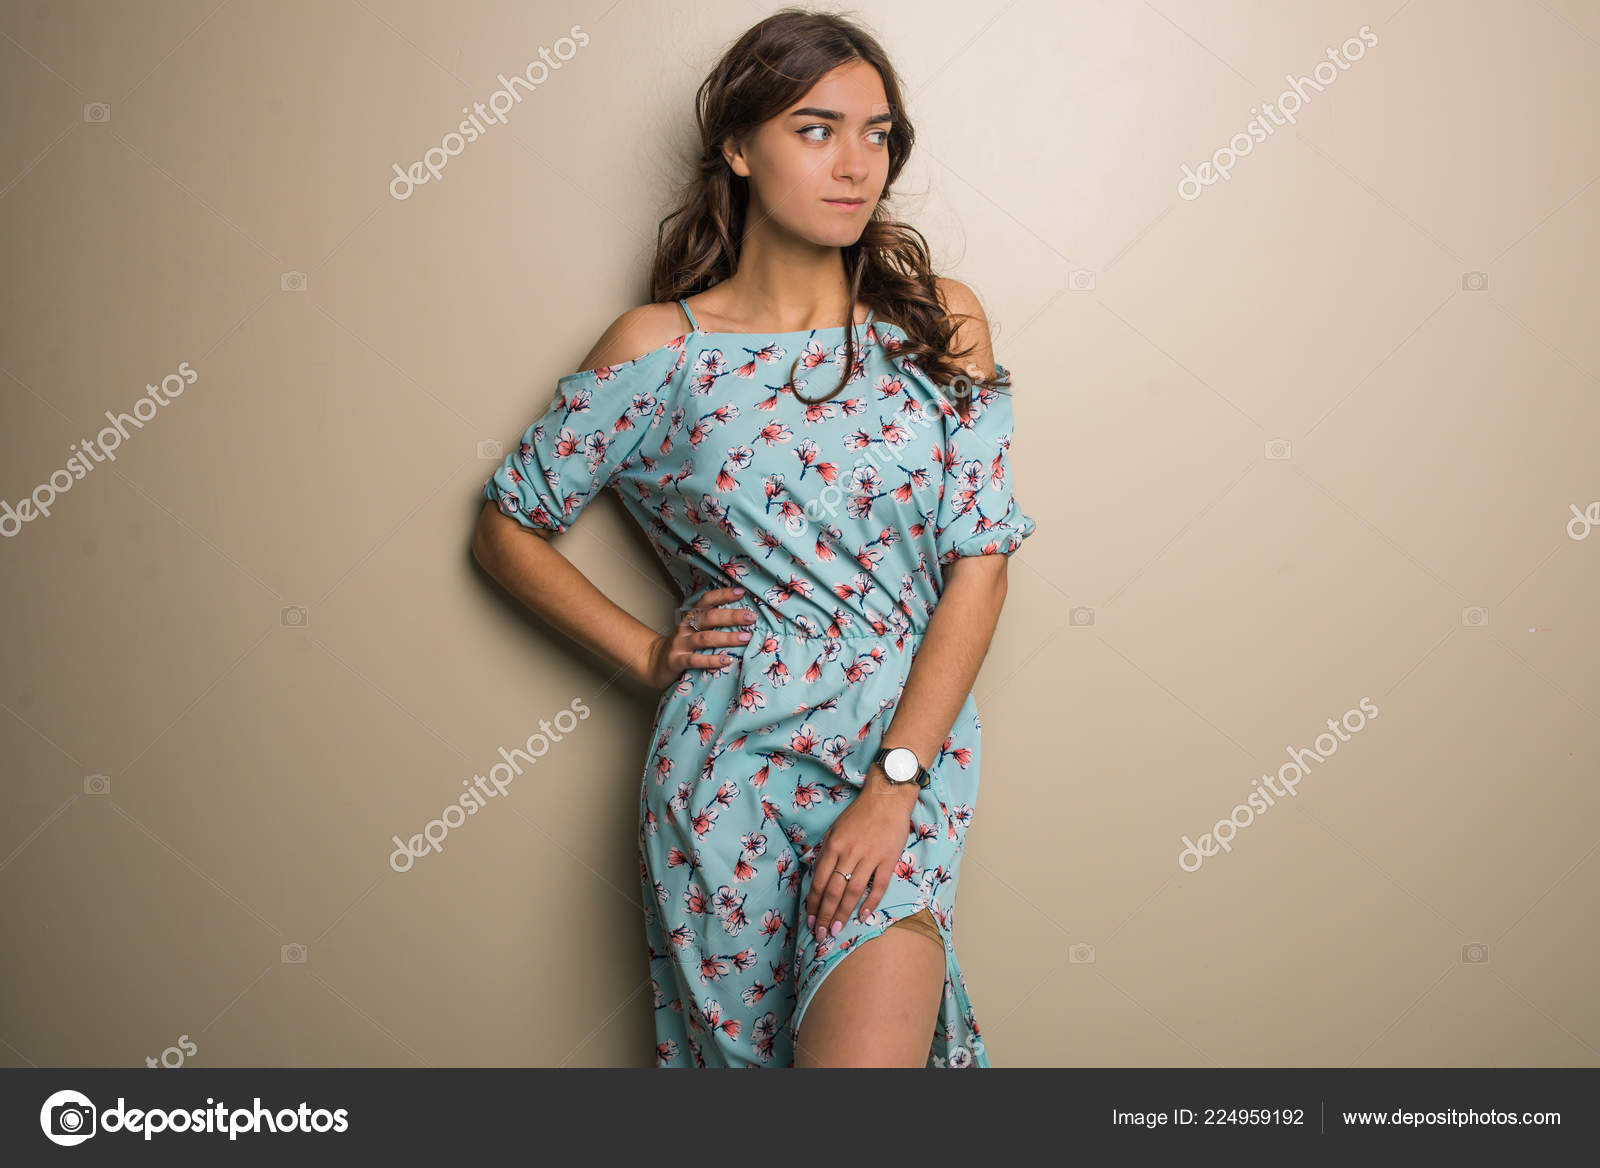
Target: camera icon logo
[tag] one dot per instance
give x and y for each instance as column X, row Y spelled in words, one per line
column 68, row 1118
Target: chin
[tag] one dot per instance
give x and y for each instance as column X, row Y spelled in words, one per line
column 832, row 236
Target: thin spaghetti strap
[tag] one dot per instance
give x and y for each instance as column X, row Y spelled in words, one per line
column 693, row 324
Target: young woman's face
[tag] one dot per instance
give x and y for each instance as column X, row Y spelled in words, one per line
column 818, row 169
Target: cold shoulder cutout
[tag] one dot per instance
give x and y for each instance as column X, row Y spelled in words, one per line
column 592, row 432
column 635, row 335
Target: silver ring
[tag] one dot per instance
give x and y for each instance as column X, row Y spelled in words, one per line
column 846, row 875
column 693, row 619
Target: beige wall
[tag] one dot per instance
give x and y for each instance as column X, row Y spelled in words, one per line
column 1193, row 603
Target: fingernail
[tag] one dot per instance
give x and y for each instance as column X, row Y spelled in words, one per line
column 811, row 920
column 738, row 591
column 744, row 636
column 837, row 925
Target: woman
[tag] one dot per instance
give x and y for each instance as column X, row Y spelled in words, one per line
column 838, row 517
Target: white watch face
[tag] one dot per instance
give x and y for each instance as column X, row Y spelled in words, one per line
column 900, row 764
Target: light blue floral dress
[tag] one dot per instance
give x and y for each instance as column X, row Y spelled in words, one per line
column 838, row 519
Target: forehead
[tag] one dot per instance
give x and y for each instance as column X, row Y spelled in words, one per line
column 854, row 89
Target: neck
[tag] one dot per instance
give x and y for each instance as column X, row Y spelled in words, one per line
column 783, row 284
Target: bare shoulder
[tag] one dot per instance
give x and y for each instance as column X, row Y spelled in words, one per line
column 636, row 333
column 972, row 326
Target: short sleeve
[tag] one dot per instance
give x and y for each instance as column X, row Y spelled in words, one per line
column 598, row 422
column 978, row 510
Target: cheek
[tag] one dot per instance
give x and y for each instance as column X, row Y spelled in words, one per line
column 778, row 163
column 787, row 186
column 801, row 178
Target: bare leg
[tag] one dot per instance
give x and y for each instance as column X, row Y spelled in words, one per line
column 877, row 1007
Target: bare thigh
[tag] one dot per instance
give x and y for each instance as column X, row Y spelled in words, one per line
column 878, row 1006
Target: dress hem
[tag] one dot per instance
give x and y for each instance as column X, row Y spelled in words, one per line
column 952, row 982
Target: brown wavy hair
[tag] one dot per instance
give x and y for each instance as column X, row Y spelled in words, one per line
column 889, row 268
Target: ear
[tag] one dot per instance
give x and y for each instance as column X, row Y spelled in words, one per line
column 733, row 154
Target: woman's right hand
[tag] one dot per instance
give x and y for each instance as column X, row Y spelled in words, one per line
column 687, row 647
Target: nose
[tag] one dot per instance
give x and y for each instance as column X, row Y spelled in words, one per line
column 851, row 161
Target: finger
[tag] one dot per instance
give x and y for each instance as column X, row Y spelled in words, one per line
column 698, row 649
column 825, row 908
column 720, row 638
column 707, row 650
column 827, row 861
column 720, row 616
column 863, row 887
column 837, row 889
column 709, row 660
column 705, row 636
column 849, row 895
column 881, row 876
column 700, row 636
column 724, row 617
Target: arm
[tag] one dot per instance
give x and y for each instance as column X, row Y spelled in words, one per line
column 867, row 838
column 527, row 565
column 946, row 665
column 963, row 622
column 531, row 569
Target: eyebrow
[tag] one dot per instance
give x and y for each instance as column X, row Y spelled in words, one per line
column 812, row 111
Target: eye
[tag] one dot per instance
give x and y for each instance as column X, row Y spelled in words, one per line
column 882, row 136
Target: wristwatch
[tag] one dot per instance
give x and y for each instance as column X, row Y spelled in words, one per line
column 900, row 766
